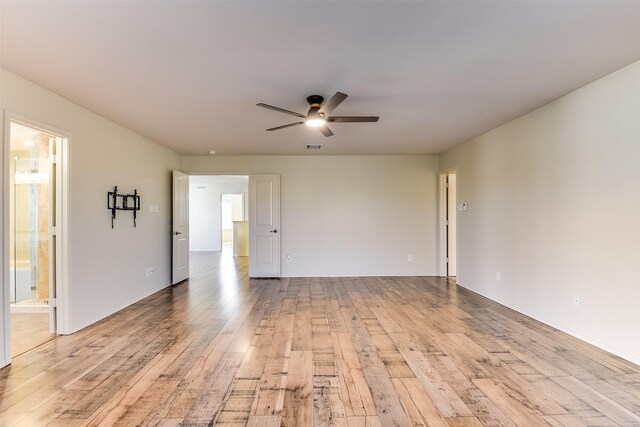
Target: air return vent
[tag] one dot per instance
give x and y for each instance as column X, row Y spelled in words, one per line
column 314, row 146
column 201, row 187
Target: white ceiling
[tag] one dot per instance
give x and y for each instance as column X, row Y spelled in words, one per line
column 187, row 74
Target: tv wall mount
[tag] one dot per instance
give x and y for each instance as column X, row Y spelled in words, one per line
column 123, row 202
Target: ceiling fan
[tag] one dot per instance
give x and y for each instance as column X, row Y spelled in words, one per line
column 318, row 114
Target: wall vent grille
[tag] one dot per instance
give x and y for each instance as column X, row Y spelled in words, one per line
column 314, row 146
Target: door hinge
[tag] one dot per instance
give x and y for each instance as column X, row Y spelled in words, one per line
column 447, row 222
column 53, row 302
column 447, row 260
column 447, row 185
column 53, row 159
column 53, row 231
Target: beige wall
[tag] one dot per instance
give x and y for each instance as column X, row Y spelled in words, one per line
column 107, row 269
column 554, row 205
column 348, row 215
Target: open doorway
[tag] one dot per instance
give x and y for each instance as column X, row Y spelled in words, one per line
column 217, row 212
column 197, row 221
column 235, row 229
column 33, row 187
column 449, row 223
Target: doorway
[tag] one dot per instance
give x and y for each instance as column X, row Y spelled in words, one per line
column 217, row 209
column 261, row 206
column 235, row 232
column 32, row 190
column 449, row 223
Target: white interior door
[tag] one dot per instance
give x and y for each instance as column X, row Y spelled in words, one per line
column 180, row 227
column 264, row 226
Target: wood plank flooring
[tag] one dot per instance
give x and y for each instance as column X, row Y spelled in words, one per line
column 29, row 330
column 372, row 351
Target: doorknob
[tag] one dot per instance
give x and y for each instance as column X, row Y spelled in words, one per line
column 275, row 230
column 176, row 233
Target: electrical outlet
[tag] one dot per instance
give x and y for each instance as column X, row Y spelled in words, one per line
column 498, row 276
column 576, row 300
column 409, row 257
column 288, row 257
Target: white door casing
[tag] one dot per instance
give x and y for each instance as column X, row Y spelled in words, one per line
column 59, row 261
column 55, row 195
column 452, row 233
column 264, row 226
column 180, row 228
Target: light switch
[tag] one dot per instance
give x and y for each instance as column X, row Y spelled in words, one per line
column 463, row 207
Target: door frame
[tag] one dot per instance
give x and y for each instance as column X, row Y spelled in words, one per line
column 442, row 219
column 62, row 285
column 246, row 198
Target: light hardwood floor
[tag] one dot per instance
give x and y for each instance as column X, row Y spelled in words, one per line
column 374, row 351
column 28, row 330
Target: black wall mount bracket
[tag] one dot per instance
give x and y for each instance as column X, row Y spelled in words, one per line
column 123, row 202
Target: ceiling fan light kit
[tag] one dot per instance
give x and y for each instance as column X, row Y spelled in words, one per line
column 315, row 120
column 318, row 114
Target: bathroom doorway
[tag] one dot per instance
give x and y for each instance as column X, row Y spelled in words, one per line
column 32, row 242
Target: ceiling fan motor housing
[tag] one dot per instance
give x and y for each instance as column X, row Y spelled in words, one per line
column 315, row 100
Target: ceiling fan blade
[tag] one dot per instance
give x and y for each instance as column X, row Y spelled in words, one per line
column 285, row 126
column 325, row 130
column 347, row 119
column 282, row 110
column 331, row 104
